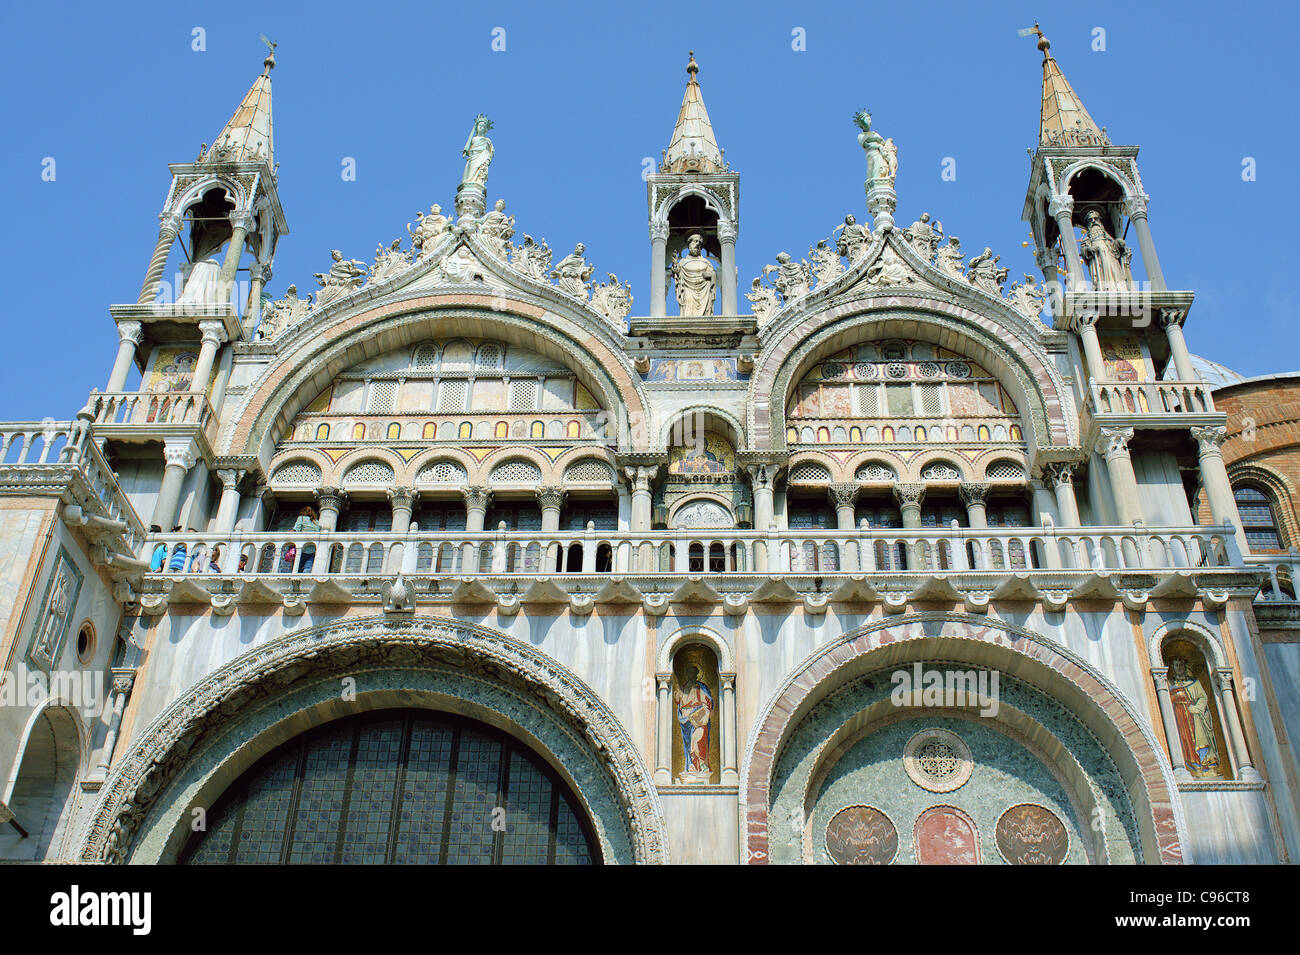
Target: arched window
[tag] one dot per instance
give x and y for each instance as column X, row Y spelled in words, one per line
column 398, row 787
column 1258, row 518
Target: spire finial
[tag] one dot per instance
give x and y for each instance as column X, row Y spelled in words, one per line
column 1043, row 43
column 692, row 68
column 269, row 63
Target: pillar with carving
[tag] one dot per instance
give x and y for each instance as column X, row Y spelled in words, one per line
column 1214, row 478
column 330, row 502
column 727, row 275
column 129, row 335
column 1171, row 320
column 214, row 333
column 228, row 508
column 1135, row 207
column 1161, row 677
column 1112, row 444
column 1061, row 208
column 477, row 500
column 658, row 269
column 843, row 498
column 975, row 496
column 179, row 458
column 241, row 224
column 1060, row 475
column 169, row 228
column 1236, row 736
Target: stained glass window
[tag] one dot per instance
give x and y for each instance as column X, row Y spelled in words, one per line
column 398, row 786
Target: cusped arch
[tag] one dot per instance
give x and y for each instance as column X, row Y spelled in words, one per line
column 1110, row 172
column 142, row 811
column 1024, row 369
column 311, row 362
column 235, row 192
column 708, row 196
column 961, row 638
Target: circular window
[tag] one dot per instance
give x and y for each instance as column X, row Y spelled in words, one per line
column 864, row 369
column 861, row 835
column 937, row 760
column 832, row 370
column 928, row 369
column 86, row 642
column 896, row 370
column 958, row 369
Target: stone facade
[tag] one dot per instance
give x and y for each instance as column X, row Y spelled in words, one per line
column 889, row 570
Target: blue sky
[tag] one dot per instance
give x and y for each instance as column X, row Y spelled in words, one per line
column 582, row 94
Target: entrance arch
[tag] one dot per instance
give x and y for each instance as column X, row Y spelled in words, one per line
column 1107, row 724
column 41, row 793
column 206, row 740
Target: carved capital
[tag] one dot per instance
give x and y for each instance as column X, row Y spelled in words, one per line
column 972, row 493
column 123, row 680
column 212, row 332
column 1087, row 320
column 331, row 498
column 1059, row 472
column 727, row 231
column 229, row 477
column 1113, row 442
column 1172, row 316
column 403, row 498
column 909, row 494
column 476, row 498
column 242, row 219
column 658, row 230
column 1224, row 676
column 170, row 224
column 1210, row 440
column 550, row 497
column 1059, row 206
column 1135, row 207
column 132, row 332
column 1161, row 677
column 179, row 454
column 843, row 495
column 761, row 476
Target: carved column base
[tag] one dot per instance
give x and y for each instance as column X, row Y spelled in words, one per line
column 471, row 201
column 881, row 203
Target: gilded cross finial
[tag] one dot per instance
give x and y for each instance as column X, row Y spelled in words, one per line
column 269, row 63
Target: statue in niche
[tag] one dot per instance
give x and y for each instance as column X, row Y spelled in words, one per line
column 1027, row 297
column 429, row 229
column 763, row 300
column 853, row 240
column 572, row 273
column 532, row 258
column 497, row 229
column 611, row 299
column 1107, row 257
column 478, row 152
column 695, row 280
column 949, row 258
column 389, row 262
column 1195, row 714
column 792, row 278
column 56, row 614
column 826, row 264
column 983, row 272
column 924, row 237
column 344, row 276
column 694, row 695
column 202, row 286
column 277, row 316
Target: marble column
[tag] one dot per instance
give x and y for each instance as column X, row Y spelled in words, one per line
column 241, row 224
column 169, row 228
column 640, row 513
column 259, row 273
column 909, row 497
column 975, row 497
column 659, row 269
column 129, row 335
column 761, row 479
column 264, row 504
column 664, row 729
column 1061, row 477
column 402, row 500
column 1136, row 209
column 551, row 498
column 1236, row 736
column 477, row 500
column 1161, row 677
column 1061, row 208
column 1171, row 319
column 844, row 497
column 1087, row 325
column 228, row 508
column 330, row 501
column 727, row 275
column 730, row 774
column 1112, row 444
column 1214, row 478
column 1041, row 500
column 123, row 683
column 179, row 458
column 214, row 333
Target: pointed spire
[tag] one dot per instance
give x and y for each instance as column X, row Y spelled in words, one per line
column 246, row 137
column 693, row 147
column 1063, row 120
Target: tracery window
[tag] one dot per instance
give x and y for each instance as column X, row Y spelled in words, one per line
column 398, row 787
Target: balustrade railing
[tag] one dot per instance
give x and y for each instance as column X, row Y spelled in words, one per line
column 1151, row 397
column 150, row 407
column 1280, row 587
column 694, row 552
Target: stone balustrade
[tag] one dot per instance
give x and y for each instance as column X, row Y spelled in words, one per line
column 149, row 408
column 1150, row 397
column 700, row 551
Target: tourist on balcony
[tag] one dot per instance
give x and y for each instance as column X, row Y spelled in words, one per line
column 177, row 564
column 159, row 552
column 243, row 563
column 306, row 524
column 199, row 559
column 287, row 558
column 213, row 564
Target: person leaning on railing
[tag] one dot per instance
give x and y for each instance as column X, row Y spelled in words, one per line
column 305, row 524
